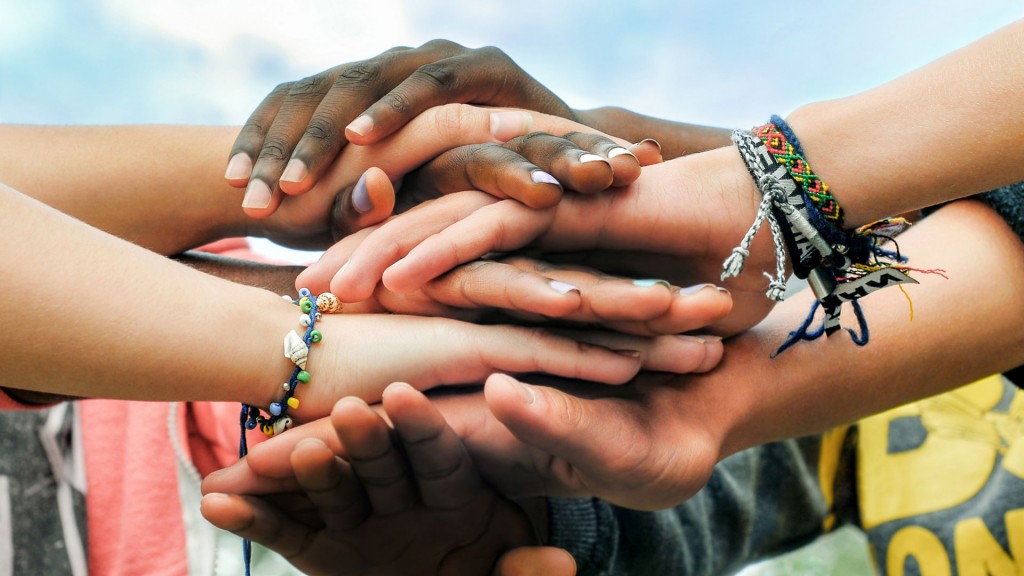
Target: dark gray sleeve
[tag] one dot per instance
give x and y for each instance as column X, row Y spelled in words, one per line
column 1008, row 201
column 758, row 503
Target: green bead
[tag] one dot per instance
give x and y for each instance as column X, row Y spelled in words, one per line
column 315, row 336
column 306, row 306
column 303, row 376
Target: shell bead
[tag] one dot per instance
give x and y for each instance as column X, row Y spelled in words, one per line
column 282, row 424
column 304, row 320
column 295, row 349
column 328, row 303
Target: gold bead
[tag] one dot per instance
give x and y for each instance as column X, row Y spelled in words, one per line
column 293, row 402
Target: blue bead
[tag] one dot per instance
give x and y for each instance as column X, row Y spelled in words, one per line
column 250, row 424
column 275, row 409
column 304, row 292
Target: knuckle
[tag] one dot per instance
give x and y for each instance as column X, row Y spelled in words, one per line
column 494, row 53
column 437, row 74
column 452, row 118
column 320, row 128
column 315, row 85
column 398, row 102
column 442, row 45
column 275, row 149
column 360, row 73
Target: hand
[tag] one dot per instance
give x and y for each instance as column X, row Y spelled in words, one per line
column 688, row 213
column 415, row 507
column 298, row 130
column 347, row 197
column 361, row 353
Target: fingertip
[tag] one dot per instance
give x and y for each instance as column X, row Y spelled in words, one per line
column 714, row 351
column 546, row 192
column 361, row 130
column 296, row 178
column 239, row 170
column 259, row 200
column 647, row 151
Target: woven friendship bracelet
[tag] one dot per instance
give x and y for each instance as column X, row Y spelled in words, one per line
column 839, row 266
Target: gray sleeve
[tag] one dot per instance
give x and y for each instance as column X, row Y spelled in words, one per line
column 1008, row 201
column 759, row 502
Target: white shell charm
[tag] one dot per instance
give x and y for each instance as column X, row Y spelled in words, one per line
column 281, row 424
column 295, row 349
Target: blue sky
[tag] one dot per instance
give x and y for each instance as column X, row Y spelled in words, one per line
column 210, row 61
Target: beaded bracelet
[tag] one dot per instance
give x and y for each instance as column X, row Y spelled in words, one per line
column 296, row 349
column 839, row 266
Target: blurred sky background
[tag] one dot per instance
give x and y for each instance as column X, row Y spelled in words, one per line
column 211, row 61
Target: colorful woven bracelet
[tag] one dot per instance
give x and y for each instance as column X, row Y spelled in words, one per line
column 839, row 266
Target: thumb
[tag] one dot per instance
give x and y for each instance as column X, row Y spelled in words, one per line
column 535, row 561
column 370, row 201
column 574, row 429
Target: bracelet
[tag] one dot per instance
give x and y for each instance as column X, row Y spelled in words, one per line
column 803, row 216
column 296, row 349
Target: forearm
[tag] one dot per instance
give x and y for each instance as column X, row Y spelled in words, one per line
column 964, row 327
column 100, row 317
column 944, row 131
column 161, row 187
column 676, row 138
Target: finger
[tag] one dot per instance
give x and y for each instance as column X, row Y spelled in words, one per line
column 536, row 561
column 624, row 165
column 288, row 126
column 252, row 518
column 490, row 284
column 647, row 152
column 369, row 202
column 679, row 354
column 445, row 475
column 574, row 433
column 501, row 226
column 267, row 467
column 491, row 168
column 317, row 276
column 395, row 238
column 373, row 456
column 250, row 138
column 330, row 485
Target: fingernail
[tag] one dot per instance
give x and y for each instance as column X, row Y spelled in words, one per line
column 691, row 338
column 690, row 290
column 295, row 171
column 649, row 141
column 257, row 195
column 361, row 197
column 507, row 125
column 585, row 158
column 619, row 151
column 542, row 177
column 723, row 291
column 563, row 287
column 239, row 167
column 629, row 353
column 361, row 125
column 648, row 282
